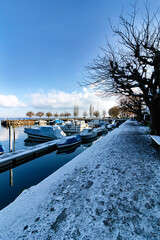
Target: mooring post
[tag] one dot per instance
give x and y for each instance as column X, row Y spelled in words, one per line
column 10, row 138
column 14, row 138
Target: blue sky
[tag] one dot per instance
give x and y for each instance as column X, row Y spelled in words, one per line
column 44, row 46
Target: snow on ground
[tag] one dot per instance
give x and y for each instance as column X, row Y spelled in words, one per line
column 110, row 191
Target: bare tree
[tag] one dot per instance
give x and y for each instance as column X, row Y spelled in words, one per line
column 133, row 67
column 30, row 114
column 132, row 105
column 91, row 110
column 85, row 114
column 48, row 114
column 76, row 111
column 113, row 112
column 56, row 115
column 96, row 113
column 40, row 114
column 104, row 113
column 67, row 114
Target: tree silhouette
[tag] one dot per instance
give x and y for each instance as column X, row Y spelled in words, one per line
column 30, row 114
column 132, row 104
column 133, row 67
column 48, row 114
column 76, row 111
column 40, row 114
column 61, row 114
column 104, row 113
column 91, row 110
column 56, row 115
column 85, row 114
column 67, row 114
column 96, row 113
column 113, row 112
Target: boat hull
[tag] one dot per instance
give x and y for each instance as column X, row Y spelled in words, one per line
column 33, row 136
column 60, row 146
column 46, row 133
column 69, row 141
column 89, row 136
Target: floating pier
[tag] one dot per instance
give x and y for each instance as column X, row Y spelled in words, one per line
column 13, row 159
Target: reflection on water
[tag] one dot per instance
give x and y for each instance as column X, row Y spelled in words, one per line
column 85, row 141
column 14, row 181
column 11, row 177
column 32, row 142
column 87, row 144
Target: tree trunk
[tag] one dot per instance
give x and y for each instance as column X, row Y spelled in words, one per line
column 139, row 112
column 155, row 117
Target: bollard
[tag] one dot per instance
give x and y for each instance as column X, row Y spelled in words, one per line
column 14, row 138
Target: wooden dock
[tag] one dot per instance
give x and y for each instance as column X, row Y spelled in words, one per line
column 13, row 159
column 17, row 123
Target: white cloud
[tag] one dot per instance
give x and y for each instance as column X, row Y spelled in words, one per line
column 10, row 101
column 60, row 100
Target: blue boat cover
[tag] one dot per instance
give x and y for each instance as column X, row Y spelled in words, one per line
column 2, row 149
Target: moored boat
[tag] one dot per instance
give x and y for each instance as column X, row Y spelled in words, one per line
column 88, row 133
column 104, row 129
column 41, row 122
column 98, row 130
column 74, row 127
column 69, row 141
column 46, row 133
column 2, row 149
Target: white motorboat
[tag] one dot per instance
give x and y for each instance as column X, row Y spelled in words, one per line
column 88, row 133
column 98, row 130
column 74, row 127
column 45, row 133
column 41, row 122
column 112, row 125
column 94, row 122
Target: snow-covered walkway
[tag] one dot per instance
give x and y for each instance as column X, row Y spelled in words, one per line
column 110, row 191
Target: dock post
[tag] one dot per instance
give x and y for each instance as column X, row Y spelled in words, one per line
column 14, row 138
column 10, row 138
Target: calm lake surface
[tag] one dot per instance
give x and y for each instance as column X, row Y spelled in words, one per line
column 32, row 172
